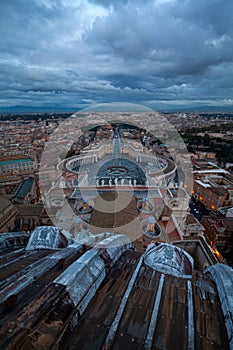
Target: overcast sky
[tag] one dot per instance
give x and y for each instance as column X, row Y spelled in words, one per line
column 164, row 54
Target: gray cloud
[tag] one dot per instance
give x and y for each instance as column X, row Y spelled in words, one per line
column 68, row 53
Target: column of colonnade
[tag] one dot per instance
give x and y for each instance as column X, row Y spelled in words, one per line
column 89, row 159
column 138, row 156
column 82, row 161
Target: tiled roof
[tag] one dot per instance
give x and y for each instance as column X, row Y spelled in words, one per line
column 24, row 188
column 29, row 210
column 171, row 230
column 4, row 203
column 190, row 219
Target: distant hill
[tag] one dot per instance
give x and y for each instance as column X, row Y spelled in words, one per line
column 199, row 109
column 46, row 109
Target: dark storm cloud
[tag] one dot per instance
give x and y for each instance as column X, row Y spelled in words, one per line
column 159, row 36
column 74, row 53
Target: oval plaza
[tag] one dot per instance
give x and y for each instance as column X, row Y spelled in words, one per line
column 121, row 163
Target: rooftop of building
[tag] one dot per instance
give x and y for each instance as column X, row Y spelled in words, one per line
column 12, row 158
column 4, row 204
column 211, row 171
column 29, row 210
column 190, row 219
column 23, row 188
column 213, row 187
column 219, row 191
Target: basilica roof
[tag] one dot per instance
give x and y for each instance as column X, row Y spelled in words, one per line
column 222, row 275
column 110, row 296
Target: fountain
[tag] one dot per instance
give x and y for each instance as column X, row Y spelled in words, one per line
column 145, row 206
column 117, row 170
column 86, row 208
column 150, row 228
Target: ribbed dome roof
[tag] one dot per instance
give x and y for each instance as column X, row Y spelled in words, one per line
column 170, row 260
column 48, row 237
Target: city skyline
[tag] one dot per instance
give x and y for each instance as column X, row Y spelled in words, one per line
column 164, row 54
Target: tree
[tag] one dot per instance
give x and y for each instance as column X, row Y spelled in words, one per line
column 206, row 140
column 70, row 153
